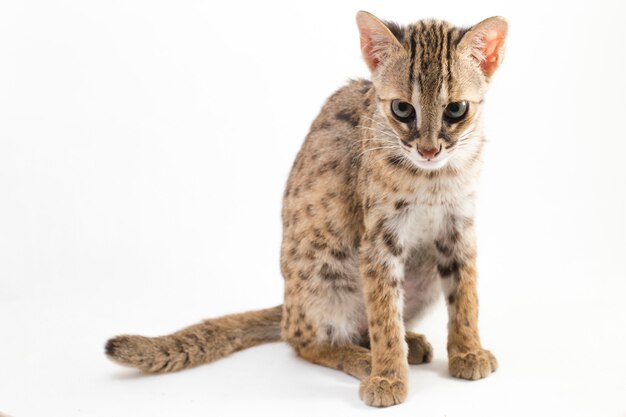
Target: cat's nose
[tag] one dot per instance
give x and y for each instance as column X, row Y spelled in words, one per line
column 428, row 152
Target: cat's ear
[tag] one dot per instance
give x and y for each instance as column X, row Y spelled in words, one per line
column 486, row 42
column 377, row 41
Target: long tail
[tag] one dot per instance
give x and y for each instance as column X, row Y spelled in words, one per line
column 201, row 343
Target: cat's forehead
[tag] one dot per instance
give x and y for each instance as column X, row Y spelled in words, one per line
column 432, row 66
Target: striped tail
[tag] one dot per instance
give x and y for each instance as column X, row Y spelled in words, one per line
column 198, row 344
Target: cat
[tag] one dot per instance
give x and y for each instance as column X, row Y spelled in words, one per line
column 377, row 219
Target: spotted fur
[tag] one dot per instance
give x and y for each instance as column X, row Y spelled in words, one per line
column 372, row 231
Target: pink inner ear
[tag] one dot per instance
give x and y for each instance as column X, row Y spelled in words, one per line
column 493, row 50
column 368, row 49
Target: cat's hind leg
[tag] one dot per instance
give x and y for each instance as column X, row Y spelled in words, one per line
column 350, row 358
column 420, row 351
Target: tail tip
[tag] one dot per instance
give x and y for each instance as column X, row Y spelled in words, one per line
column 113, row 345
column 133, row 351
column 124, row 350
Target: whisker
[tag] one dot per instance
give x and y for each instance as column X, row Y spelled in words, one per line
column 381, row 140
column 378, row 131
column 376, row 121
column 374, row 149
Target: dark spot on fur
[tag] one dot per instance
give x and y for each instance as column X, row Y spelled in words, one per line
column 340, row 366
column 303, row 275
column 328, row 274
column 297, row 333
column 378, row 228
column 400, row 204
column 366, row 85
column 332, row 229
column 447, row 270
column 467, row 324
column 454, row 235
column 392, row 244
column 329, row 166
column 443, row 248
column 451, row 299
column 348, row 116
column 318, row 244
column 339, row 253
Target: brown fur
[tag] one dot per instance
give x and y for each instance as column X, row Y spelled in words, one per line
column 198, row 344
column 370, row 231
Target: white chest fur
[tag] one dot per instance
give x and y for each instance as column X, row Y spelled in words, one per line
column 418, row 224
column 430, row 208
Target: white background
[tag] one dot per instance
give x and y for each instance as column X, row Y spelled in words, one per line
column 144, row 146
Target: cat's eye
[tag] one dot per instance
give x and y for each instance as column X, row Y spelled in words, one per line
column 455, row 112
column 402, row 110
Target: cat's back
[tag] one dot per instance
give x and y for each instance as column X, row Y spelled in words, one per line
column 322, row 206
column 328, row 159
column 344, row 109
column 337, row 130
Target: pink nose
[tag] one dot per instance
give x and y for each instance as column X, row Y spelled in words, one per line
column 428, row 153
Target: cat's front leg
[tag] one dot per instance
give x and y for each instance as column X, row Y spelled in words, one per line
column 457, row 267
column 382, row 269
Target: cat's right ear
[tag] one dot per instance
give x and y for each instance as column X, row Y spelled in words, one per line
column 377, row 41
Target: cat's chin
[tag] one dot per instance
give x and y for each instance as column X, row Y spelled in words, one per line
column 426, row 165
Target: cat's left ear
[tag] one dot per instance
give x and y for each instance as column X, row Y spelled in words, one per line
column 486, row 43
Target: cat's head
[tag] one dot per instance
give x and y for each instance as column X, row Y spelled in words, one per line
column 430, row 80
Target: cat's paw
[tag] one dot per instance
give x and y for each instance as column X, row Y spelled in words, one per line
column 420, row 351
column 378, row 391
column 472, row 365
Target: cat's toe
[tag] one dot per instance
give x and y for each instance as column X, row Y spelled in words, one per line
column 472, row 365
column 378, row 391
